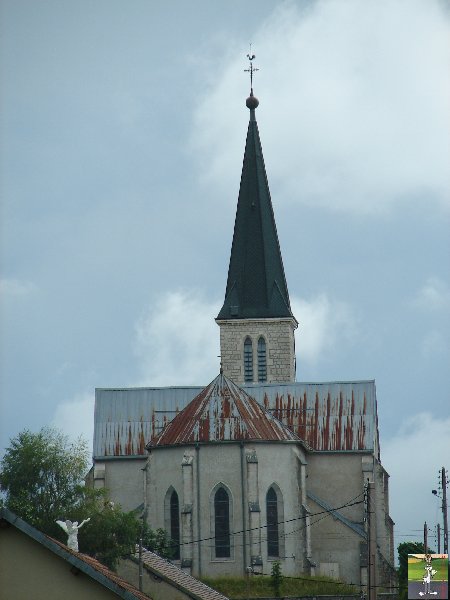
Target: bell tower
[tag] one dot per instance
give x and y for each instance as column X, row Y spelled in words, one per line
column 256, row 322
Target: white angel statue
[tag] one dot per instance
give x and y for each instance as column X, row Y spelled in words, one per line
column 72, row 531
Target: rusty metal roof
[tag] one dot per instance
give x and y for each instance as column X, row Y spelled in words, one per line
column 329, row 416
column 222, row 411
column 125, row 420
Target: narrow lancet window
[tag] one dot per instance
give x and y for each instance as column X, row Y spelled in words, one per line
column 222, row 523
column 273, row 545
column 262, row 362
column 248, row 360
column 175, row 525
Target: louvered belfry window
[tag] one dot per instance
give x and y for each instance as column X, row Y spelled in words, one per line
column 222, row 523
column 262, row 362
column 248, row 360
column 175, row 525
column 273, row 546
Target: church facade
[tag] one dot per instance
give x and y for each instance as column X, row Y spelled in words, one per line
column 255, row 467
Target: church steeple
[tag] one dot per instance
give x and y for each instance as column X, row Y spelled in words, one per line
column 256, row 322
column 256, row 285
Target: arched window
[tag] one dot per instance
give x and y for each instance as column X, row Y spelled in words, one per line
column 222, row 523
column 248, row 360
column 175, row 525
column 262, row 363
column 172, row 521
column 273, row 544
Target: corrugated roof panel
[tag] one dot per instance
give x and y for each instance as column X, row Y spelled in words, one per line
column 332, row 416
column 223, row 412
column 126, row 419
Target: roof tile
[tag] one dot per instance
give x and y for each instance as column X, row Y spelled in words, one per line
column 168, row 571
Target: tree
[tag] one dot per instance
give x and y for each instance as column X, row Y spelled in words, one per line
column 111, row 533
column 41, row 475
column 276, row 578
column 158, row 541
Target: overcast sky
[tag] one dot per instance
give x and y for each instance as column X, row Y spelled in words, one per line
column 123, row 131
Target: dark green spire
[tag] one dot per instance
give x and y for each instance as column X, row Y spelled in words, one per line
column 256, row 286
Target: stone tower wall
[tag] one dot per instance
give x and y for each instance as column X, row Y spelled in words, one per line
column 280, row 347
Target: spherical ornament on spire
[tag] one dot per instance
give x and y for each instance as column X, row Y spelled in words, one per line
column 252, row 101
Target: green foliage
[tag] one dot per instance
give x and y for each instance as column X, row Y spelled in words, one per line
column 111, row 533
column 259, row 586
column 276, row 577
column 157, row 541
column 41, row 475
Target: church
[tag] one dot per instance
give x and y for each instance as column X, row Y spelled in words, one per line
column 255, row 467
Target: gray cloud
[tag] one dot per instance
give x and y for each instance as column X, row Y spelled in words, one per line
column 354, row 98
column 177, row 340
column 16, row 287
column 121, row 156
column 423, row 441
column 325, row 325
column 433, row 296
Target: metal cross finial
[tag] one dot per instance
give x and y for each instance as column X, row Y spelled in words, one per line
column 251, row 68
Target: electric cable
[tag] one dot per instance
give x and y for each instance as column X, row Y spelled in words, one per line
column 326, row 512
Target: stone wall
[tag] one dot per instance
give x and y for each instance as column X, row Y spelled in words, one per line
column 123, row 479
column 280, row 347
column 246, row 472
column 337, row 478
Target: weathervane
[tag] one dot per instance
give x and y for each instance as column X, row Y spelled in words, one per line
column 251, row 68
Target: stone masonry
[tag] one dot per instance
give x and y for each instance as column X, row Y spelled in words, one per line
column 280, row 347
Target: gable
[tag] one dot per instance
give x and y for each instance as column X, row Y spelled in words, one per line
column 33, row 565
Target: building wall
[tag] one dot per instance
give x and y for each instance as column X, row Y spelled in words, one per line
column 29, row 570
column 123, row 478
column 338, row 479
column 280, row 347
column 334, row 477
column 196, row 472
column 155, row 587
column 385, row 528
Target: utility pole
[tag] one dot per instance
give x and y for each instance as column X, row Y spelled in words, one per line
column 140, row 563
column 372, row 541
column 444, row 508
column 425, row 537
column 439, row 537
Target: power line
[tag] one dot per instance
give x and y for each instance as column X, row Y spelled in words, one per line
column 336, row 582
column 326, row 512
